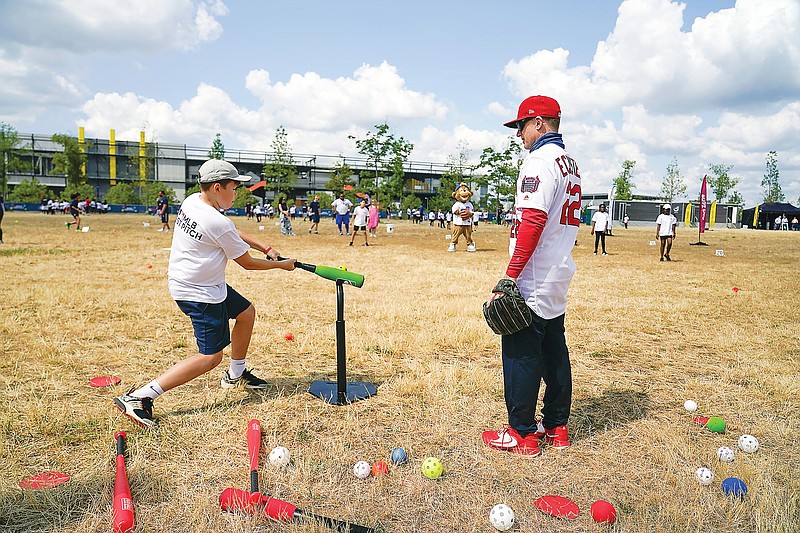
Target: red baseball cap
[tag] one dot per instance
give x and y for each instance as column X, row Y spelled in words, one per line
column 536, row 106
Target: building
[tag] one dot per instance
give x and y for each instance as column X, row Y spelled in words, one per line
column 111, row 161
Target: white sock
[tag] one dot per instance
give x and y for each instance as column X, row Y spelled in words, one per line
column 151, row 390
column 237, row 368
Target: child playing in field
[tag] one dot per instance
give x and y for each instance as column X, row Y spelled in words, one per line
column 202, row 243
column 75, row 211
column 360, row 216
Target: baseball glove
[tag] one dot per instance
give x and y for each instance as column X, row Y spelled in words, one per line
column 506, row 311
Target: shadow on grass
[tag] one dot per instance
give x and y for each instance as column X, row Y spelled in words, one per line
column 613, row 409
column 278, row 388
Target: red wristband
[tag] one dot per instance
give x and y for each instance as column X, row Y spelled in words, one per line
column 267, row 250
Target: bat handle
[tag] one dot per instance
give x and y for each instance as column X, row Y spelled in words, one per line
column 254, row 481
column 336, row 525
column 120, row 436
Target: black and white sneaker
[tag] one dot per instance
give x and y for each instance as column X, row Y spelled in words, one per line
column 247, row 380
column 140, row 410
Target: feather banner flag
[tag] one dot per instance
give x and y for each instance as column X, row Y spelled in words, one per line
column 703, row 205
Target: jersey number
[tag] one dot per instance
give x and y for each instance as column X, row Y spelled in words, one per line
column 571, row 208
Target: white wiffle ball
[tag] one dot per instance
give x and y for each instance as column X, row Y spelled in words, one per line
column 501, row 517
column 748, row 443
column 690, row 405
column 279, row 456
column 704, row 475
column 725, row 454
column 362, row 469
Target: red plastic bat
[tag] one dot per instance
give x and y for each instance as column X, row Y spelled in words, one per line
column 253, row 447
column 122, row 509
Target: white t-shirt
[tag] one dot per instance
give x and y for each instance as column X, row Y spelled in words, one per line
column 457, row 207
column 202, row 242
column 601, row 220
column 549, row 180
column 342, row 206
column 360, row 215
column 666, row 222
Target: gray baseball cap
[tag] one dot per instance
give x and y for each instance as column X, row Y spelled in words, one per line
column 218, row 170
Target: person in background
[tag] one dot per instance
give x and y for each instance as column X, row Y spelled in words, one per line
column 665, row 230
column 600, row 223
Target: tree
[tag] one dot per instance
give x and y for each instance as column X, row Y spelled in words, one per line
column 411, row 200
column 458, row 170
column 501, row 173
column 152, row 188
column 721, row 182
column 71, row 162
column 243, row 194
column 386, row 157
column 673, row 185
column 735, row 198
column 122, row 194
column 771, row 183
column 217, row 149
column 9, row 155
column 280, row 172
column 341, row 177
column 29, row 191
column 623, row 183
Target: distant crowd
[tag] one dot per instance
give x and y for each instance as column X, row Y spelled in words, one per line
column 89, row 205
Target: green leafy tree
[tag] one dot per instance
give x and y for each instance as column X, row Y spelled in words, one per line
column 735, row 198
column 673, row 186
column 386, row 156
column 191, row 190
column 217, row 149
column 70, row 162
column 499, row 173
column 458, row 170
column 771, row 184
column 341, row 177
column 721, row 182
column 623, row 184
column 11, row 150
column 122, row 193
column 149, row 194
column 243, row 194
column 29, row 191
column 280, row 172
column 410, row 201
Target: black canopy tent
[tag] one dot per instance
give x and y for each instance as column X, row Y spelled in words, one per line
column 767, row 213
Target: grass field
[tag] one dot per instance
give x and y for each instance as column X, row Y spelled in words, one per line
column 643, row 336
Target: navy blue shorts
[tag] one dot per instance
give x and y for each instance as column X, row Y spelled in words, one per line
column 210, row 321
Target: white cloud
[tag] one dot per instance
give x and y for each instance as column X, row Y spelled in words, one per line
column 314, row 109
column 654, row 91
column 45, row 46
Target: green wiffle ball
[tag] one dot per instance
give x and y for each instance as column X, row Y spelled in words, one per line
column 716, row 424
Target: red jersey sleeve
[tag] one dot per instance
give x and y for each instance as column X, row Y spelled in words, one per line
column 528, row 233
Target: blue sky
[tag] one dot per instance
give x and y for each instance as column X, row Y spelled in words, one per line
column 703, row 81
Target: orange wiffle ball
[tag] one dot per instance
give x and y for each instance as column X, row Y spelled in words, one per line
column 603, row 512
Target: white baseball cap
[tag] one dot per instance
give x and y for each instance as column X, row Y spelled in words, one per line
column 666, row 206
column 218, row 170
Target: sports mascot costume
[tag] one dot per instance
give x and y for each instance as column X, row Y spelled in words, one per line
column 462, row 218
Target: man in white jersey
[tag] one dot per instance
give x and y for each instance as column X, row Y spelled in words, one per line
column 665, row 230
column 202, row 243
column 543, row 232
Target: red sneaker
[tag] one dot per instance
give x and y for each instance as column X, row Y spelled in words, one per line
column 557, row 437
column 508, row 439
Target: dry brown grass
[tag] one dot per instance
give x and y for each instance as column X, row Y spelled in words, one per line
column 643, row 336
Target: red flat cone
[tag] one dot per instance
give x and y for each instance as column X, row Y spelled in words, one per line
column 104, row 381
column 45, row 480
